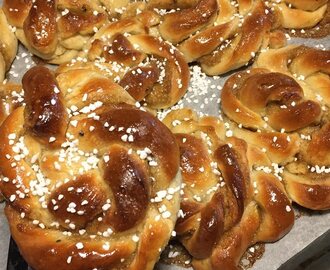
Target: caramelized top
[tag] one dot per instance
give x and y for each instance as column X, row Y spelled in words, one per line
column 278, row 88
column 310, row 60
column 210, row 229
column 181, row 24
column 248, row 96
column 250, row 38
column 127, row 178
column 147, row 67
column 232, row 172
column 146, row 130
column 207, row 40
column 45, row 112
column 139, row 81
column 122, row 51
column 267, row 88
column 194, row 155
column 255, row 26
column 83, row 189
column 172, row 4
column 81, row 21
column 277, row 221
column 40, row 26
column 17, row 11
column 55, row 30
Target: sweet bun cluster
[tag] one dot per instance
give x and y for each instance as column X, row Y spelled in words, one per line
column 101, row 164
column 227, row 203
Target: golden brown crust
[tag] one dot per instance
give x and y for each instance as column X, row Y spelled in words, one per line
column 207, row 41
column 227, row 203
column 300, row 14
column 149, row 69
column 222, row 35
column 55, row 30
column 208, row 210
column 277, row 219
column 93, row 198
column 43, row 248
column 220, row 41
column 291, row 109
column 322, row 29
column 40, row 27
column 172, row 4
column 247, row 97
column 252, row 36
column 43, row 98
column 179, row 25
column 17, row 10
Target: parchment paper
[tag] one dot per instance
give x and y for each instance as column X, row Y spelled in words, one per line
column 205, row 90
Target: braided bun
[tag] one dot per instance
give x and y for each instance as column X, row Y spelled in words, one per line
column 211, row 33
column 223, row 35
column 223, row 211
column 149, row 69
column 90, row 180
column 292, row 113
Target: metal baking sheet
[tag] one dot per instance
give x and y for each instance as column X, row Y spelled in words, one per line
column 203, row 95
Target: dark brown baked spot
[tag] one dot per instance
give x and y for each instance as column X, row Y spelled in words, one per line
column 127, row 178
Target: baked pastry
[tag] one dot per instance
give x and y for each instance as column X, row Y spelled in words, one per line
column 55, row 30
column 221, row 35
column 8, row 46
column 320, row 30
column 300, row 14
column 90, row 180
column 293, row 102
column 227, row 203
column 150, row 70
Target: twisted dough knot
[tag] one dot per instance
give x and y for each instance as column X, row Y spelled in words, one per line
column 298, row 108
column 260, row 99
column 89, row 184
column 55, row 30
column 149, row 69
column 221, row 35
column 8, row 45
column 222, row 211
column 300, row 13
column 309, row 184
